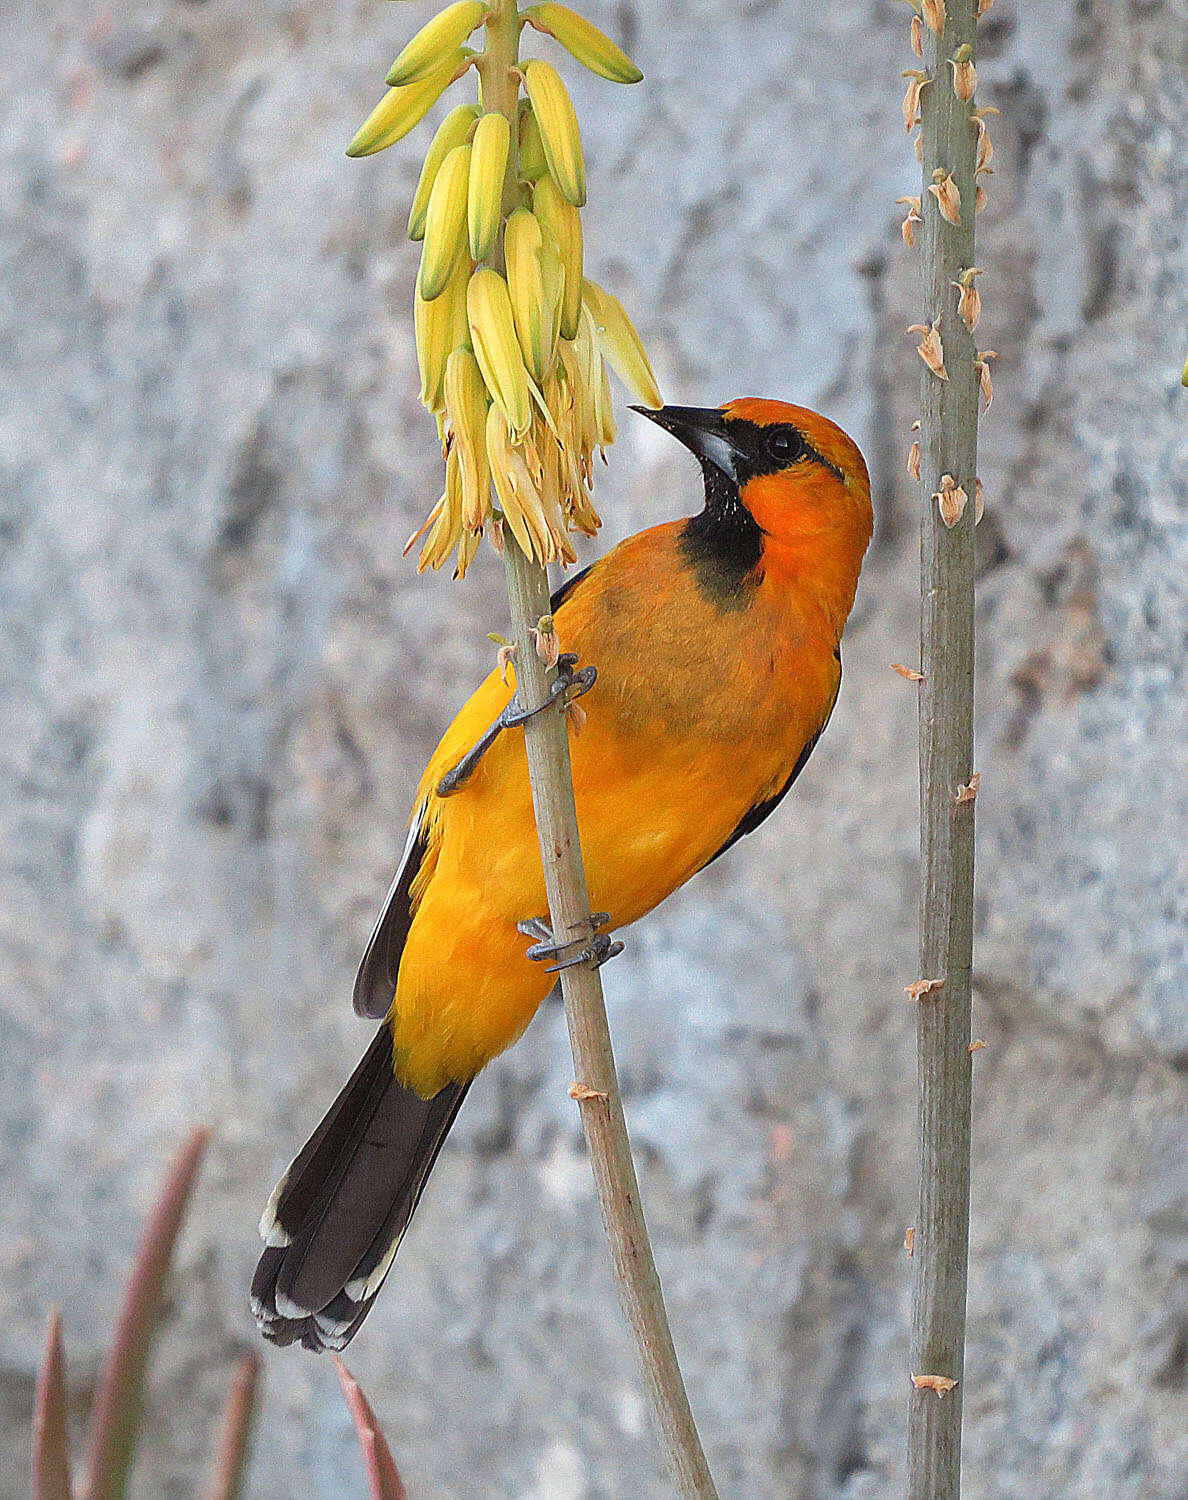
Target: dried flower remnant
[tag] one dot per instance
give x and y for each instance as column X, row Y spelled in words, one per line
column 951, row 500
column 547, row 641
column 977, row 1045
column 505, row 655
column 583, row 1093
column 529, row 405
column 968, row 792
column 913, row 463
column 934, row 15
column 941, row 1384
column 944, row 189
column 978, row 119
column 965, row 78
column 979, row 502
column 969, row 303
column 909, row 1240
column 909, row 674
column 917, row 36
column 982, row 366
column 908, row 227
column 920, row 987
column 918, row 82
column 930, row 349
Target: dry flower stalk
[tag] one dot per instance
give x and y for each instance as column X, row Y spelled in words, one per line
column 954, row 141
column 542, row 334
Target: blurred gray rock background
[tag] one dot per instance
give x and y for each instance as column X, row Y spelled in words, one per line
column 220, row 681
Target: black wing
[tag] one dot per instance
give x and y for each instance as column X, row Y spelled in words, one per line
column 567, row 587
column 375, row 983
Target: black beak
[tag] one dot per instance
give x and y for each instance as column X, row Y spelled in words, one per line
column 702, row 429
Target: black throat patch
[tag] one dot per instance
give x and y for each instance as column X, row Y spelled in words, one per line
column 723, row 544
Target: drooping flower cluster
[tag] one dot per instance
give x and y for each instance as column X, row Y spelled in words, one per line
column 511, row 336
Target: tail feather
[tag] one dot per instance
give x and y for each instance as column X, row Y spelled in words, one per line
column 336, row 1218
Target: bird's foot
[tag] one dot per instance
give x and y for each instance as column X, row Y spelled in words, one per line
column 593, row 949
column 565, row 687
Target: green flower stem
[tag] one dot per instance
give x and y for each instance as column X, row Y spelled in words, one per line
column 549, row 771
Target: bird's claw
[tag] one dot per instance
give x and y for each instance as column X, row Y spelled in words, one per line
column 593, row 950
column 566, row 686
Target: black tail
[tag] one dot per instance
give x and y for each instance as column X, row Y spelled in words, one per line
column 335, row 1219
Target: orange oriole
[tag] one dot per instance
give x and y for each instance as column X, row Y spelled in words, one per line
column 716, row 643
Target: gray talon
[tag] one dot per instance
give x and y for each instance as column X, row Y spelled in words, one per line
column 595, row 954
column 567, row 685
column 593, row 951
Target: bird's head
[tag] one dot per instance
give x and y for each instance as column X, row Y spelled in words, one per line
column 775, row 474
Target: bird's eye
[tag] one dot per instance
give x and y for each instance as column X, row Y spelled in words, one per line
column 785, row 445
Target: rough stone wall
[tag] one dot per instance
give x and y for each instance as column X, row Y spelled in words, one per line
column 220, row 682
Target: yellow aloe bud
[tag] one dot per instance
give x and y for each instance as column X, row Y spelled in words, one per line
column 453, row 131
column 533, row 314
column 622, row 345
column 584, row 41
column 1184, row 376
column 552, row 275
column 466, row 403
column 440, row 328
column 445, row 223
column 587, row 384
column 560, row 219
column 533, row 162
column 559, row 134
column 403, row 108
column 439, row 37
column 488, row 164
column 496, row 347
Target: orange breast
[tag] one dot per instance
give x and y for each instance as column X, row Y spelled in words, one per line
column 697, row 715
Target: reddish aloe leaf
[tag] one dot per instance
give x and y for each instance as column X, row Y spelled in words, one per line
column 115, row 1416
column 231, row 1457
column 382, row 1477
column 51, row 1447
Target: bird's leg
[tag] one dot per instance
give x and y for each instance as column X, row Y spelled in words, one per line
column 593, row 950
column 567, row 685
